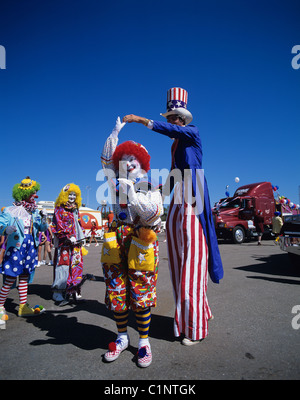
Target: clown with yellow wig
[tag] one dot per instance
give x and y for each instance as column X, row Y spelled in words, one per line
column 68, row 239
column 21, row 224
column 130, row 249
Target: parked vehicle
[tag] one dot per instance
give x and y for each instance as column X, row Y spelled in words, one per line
column 290, row 238
column 234, row 216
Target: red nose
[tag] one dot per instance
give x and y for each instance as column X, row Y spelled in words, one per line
column 31, row 198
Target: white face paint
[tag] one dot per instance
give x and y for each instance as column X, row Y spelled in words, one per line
column 72, row 197
column 130, row 166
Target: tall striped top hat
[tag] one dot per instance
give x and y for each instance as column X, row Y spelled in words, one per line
column 176, row 104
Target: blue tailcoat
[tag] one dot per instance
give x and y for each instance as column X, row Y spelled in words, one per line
column 188, row 155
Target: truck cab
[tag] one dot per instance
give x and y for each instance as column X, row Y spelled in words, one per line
column 234, row 216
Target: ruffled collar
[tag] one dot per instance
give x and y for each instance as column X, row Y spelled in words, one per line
column 70, row 206
column 29, row 207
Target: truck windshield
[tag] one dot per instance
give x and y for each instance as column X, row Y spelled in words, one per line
column 231, row 203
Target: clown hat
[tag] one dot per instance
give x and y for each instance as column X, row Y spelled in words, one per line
column 25, row 188
column 176, row 104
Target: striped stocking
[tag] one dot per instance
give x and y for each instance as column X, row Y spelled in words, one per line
column 143, row 319
column 121, row 321
column 9, row 281
column 23, row 288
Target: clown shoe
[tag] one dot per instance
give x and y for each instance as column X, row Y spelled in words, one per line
column 3, row 318
column 26, row 311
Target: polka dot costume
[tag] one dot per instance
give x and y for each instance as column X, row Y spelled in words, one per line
column 22, row 261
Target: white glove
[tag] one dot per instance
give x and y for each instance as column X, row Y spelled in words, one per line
column 10, row 229
column 127, row 187
column 119, row 125
column 73, row 240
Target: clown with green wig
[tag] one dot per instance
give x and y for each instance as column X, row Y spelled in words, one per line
column 21, row 224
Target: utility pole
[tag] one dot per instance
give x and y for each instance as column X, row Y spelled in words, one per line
column 87, row 195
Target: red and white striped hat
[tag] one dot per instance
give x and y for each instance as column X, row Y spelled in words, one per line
column 176, row 104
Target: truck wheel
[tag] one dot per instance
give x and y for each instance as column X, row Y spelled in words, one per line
column 238, row 235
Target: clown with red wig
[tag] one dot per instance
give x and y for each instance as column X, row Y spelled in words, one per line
column 130, row 249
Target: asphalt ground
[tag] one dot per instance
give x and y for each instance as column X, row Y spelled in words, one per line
column 254, row 334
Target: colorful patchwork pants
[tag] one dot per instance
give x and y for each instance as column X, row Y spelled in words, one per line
column 68, row 268
column 130, row 269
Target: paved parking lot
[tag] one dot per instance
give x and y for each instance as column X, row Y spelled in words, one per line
column 251, row 336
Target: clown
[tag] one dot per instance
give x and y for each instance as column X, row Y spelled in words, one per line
column 21, row 224
column 130, row 248
column 68, row 238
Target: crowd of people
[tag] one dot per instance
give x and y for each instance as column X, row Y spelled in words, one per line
column 130, row 251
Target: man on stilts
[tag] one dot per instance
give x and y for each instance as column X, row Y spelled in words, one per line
column 191, row 237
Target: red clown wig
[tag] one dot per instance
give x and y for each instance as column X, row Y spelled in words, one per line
column 135, row 149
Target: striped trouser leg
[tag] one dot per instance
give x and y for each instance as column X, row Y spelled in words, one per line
column 188, row 261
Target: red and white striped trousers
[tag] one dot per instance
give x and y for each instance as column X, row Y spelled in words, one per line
column 188, row 264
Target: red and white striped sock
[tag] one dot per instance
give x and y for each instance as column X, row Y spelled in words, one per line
column 9, row 281
column 23, row 288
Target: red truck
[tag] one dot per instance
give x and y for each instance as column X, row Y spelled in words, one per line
column 234, row 216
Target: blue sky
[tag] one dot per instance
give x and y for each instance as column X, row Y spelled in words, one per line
column 73, row 66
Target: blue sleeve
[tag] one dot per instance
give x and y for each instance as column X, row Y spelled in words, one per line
column 5, row 221
column 189, row 132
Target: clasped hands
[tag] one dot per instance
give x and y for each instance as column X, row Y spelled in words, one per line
column 133, row 118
